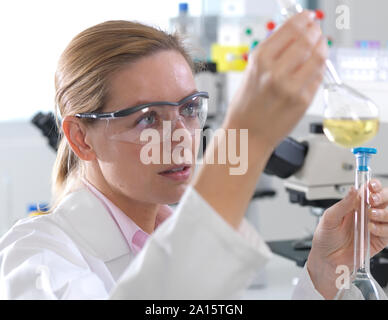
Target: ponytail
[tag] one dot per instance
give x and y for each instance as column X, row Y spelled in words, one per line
column 65, row 174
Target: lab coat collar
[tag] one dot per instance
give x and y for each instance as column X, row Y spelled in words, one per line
column 86, row 219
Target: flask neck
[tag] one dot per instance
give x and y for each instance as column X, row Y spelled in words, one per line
column 361, row 221
column 331, row 75
column 290, row 9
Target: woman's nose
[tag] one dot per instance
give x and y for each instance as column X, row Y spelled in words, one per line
column 179, row 123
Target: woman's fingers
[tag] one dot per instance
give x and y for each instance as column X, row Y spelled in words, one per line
column 316, row 63
column 379, row 229
column 375, row 185
column 379, row 199
column 376, row 199
column 378, row 196
column 299, row 51
column 292, row 29
column 307, row 79
column 378, row 215
column 334, row 216
column 265, row 83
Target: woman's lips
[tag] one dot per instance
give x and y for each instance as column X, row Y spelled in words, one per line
column 177, row 173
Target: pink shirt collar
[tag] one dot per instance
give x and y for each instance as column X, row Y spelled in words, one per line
column 133, row 234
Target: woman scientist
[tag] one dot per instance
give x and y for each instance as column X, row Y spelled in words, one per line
column 117, row 79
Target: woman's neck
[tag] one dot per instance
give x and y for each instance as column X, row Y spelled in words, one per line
column 143, row 214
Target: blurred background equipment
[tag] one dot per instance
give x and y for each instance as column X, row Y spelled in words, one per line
column 26, row 161
column 48, row 126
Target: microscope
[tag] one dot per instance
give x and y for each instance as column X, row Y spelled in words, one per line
column 316, row 174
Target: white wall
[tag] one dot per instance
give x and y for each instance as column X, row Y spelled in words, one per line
column 368, row 21
column 34, row 33
column 26, row 161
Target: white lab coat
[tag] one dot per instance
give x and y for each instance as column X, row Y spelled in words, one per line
column 78, row 252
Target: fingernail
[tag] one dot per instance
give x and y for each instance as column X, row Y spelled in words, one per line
column 375, row 213
column 375, row 198
column 352, row 192
column 312, row 15
column 374, row 185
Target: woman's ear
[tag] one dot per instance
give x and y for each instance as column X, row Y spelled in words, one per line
column 75, row 133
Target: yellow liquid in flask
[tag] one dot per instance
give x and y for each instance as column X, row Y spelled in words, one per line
column 350, row 133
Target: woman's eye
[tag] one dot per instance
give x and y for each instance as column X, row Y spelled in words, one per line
column 190, row 109
column 147, row 120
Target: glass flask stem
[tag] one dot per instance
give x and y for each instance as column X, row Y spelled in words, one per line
column 361, row 285
column 291, row 8
column 331, row 75
column 361, row 220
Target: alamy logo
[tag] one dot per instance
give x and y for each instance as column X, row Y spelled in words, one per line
column 232, row 147
column 343, row 281
column 342, row 21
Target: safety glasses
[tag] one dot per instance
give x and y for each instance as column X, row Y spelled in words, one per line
column 136, row 124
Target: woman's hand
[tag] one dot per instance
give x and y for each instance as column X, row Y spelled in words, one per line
column 333, row 240
column 281, row 80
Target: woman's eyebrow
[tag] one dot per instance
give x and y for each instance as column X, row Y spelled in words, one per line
column 144, row 101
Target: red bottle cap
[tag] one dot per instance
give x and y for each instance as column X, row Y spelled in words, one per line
column 319, row 14
column 271, row 25
column 245, row 56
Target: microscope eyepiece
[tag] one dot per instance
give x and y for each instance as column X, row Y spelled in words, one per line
column 287, row 159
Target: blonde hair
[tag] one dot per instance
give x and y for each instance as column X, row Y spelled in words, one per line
column 82, row 76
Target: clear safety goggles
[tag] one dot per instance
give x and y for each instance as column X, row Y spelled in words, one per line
column 155, row 121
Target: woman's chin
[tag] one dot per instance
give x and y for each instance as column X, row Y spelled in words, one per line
column 173, row 195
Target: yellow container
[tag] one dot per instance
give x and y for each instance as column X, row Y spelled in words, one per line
column 230, row 58
column 37, row 213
